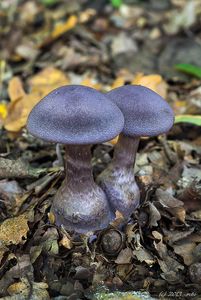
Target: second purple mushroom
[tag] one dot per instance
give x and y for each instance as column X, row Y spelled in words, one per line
column 145, row 114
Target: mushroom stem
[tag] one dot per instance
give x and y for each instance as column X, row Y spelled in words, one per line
column 80, row 204
column 78, row 166
column 118, row 180
column 125, row 152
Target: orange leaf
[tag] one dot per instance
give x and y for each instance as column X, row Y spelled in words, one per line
column 15, row 89
column 41, row 84
column 153, row 81
column 48, row 79
column 61, row 28
column 118, row 82
column 88, row 81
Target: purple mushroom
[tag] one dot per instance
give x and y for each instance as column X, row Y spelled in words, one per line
column 77, row 116
column 145, row 114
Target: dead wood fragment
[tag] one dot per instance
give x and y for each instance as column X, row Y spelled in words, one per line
column 18, row 169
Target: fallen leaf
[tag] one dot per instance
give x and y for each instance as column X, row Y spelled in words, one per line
column 192, row 119
column 124, row 256
column 62, row 28
column 154, row 215
column 91, row 82
column 13, row 230
column 47, row 80
column 167, row 264
column 25, row 290
column 15, row 89
column 119, row 81
column 41, row 84
column 143, row 255
column 66, row 242
column 3, row 111
column 171, row 204
column 185, row 250
column 153, row 81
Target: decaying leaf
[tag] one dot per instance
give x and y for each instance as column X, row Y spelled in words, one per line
column 13, row 230
column 28, row 290
column 168, row 265
column 154, row 215
column 176, row 235
column 124, row 256
column 61, row 28
column 47, row 80
column 15, row 89
column 185, row 250
column 66, row 242
column 22, row 103
column 154, row 81
column 143, row 255
column 171, row 204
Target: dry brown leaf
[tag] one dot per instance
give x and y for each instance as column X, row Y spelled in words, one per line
column 171, row 204
column 185, row 250
column 143, row 255
column 37, row 290
column 153, row 81
column 124, row 256
column 154, row 215
column 167, row 263
column 13, row 230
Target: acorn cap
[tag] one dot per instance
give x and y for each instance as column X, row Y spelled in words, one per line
column 145, row 112
column 75, row 114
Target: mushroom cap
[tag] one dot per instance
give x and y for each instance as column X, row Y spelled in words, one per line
column 75, row 114
column 145, row 112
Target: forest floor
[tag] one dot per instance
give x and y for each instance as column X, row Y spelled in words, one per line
column 49, row 43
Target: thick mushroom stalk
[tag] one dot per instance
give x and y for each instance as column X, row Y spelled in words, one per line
column 118, row 180
column 145, row 114
column 80, row 204
column 77, row 116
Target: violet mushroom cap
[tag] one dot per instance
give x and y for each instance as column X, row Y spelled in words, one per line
column 77, row 116
column 145, row 114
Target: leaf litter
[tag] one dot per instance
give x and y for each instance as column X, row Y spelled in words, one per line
column 158, row 249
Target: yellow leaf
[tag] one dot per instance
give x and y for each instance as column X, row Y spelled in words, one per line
column 114, row 141
column 13, row 230
column 51, row 217
column 16, row 288
column 61, row 28
column 18, row 111
column 118, row 82
column 48, row 77
column 66, row 242
column 153, row 81
column 88, row 81
column 3, row 110
column 15, row 89
column 41, row 84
